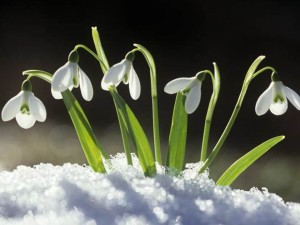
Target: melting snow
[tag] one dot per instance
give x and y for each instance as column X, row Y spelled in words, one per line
column 74, row 194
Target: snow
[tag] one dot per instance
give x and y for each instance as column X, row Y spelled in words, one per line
column 74, row 194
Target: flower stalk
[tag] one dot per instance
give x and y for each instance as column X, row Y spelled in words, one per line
column 211, row 107
column 249, row 76
column 155, row 119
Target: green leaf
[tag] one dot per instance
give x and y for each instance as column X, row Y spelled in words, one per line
column 92, row 149
column 137, row 135
column 252, row 69
column 99, row 49
column 245, row 161
column 178, row 133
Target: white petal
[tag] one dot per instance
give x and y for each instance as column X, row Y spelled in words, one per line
column 193, row 98
column 115, row 74
column 86, row 87
column 63, row 77
column 25, row 121
column 178, row 84
column 12, row 107
column 37, row 108
column 264, row 101
column 56, row 94
column 278, row 108
column 292, row 96
column 134, row 84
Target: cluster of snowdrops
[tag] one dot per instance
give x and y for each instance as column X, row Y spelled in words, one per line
column 27, row 109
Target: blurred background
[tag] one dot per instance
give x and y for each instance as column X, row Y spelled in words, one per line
column 184, row 38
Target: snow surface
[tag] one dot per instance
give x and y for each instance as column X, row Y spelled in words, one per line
column 74, row 195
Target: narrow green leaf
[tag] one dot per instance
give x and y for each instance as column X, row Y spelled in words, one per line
column 252, row 69
column 178, row 133
column 245, row 161
column 137, row 135
column 99, row 49
column 92, row 149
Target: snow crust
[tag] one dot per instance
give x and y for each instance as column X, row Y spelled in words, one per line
column 75, row 195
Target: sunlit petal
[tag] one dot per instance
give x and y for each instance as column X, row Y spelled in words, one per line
column 37, row 108
column 278, row 108
column 178, row 84
column 63, row 77
column 264, row 101
column 114, row 75
column 134, row 84
column 12, row 107
column 193, row 98
column 86, row 87
column 56, row 94
column 25, row 121
column 292, row 96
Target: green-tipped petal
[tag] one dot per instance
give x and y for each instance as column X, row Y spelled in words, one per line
column 279, row 104
column 25, row 121
column 12, row 107
column 278, row 108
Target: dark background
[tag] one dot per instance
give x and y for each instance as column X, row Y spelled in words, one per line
column 184, row 37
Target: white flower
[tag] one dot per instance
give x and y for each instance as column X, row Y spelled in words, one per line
column 191, row 87
column 26, row 108
column 122, row 71
column 275, row 99
column 68, row 76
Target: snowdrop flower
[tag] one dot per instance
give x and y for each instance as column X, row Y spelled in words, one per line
column 123, row 71
column 191, row 87
column 25, row 107
column 275, row 99
column 71, row 75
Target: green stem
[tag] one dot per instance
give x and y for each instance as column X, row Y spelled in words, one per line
column 234, row 114
column 210, row 111
column 102, row 64
column 262, row 70
column 100, row 56
column 155, row 119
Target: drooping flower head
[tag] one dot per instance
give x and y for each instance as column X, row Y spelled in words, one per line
column 189, row 86
column 71, row 75
column 275, row 98
column 25, row 107
column 123, row 71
